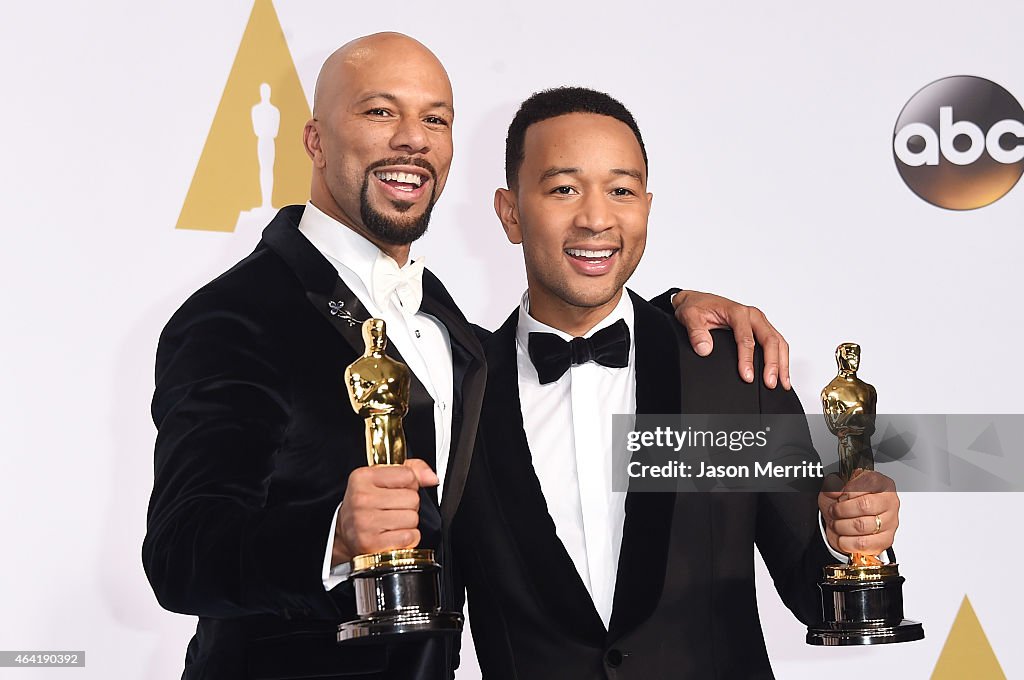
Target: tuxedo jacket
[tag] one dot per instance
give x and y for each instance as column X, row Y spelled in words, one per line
column 256, row 440
column 684, row 604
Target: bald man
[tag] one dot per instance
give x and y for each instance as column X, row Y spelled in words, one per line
column 261, row 493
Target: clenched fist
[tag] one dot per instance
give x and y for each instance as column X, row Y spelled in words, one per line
column 863, row 515
column 380, row 510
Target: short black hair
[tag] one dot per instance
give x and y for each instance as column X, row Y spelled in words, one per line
column 556, row 102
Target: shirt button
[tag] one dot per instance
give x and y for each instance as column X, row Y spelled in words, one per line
column 417, row 332
column 613, row 658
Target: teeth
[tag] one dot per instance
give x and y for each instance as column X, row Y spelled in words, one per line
column 403, row 177
column 579, row 252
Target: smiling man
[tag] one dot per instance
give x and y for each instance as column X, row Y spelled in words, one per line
column 385, row 127
column 582, row 245
column 261, row 493
column 566, row 577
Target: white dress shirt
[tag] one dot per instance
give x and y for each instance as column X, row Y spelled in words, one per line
column 422, row 340
column 574, row 464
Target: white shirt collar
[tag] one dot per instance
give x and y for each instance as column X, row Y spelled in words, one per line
column 527, row 324
column 351, row 250
column 340, row 243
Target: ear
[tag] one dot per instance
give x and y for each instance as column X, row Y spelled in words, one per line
column 311, row 141
column 507, row 210
column 650, row 200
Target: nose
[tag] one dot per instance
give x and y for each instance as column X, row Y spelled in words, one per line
column 595, row 214
column 410, row 136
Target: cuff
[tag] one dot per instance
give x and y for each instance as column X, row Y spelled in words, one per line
column 333, row 576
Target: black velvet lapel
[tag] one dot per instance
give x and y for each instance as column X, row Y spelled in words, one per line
column 343, row 310
column 646, row 532
column 324, row 288
column 469, row 377
column 283, row 237
column 545, row 559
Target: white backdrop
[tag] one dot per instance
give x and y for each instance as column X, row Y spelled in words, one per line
column 769, row 131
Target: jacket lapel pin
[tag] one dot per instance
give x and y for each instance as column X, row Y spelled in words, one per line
column 338, row 310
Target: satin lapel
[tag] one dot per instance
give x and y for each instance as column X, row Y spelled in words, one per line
column 647, row 528
column 438, row 304
column 517, row 489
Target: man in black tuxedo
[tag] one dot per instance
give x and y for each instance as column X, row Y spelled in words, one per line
column 567, row 578
column 261, row 493
column 261, row 488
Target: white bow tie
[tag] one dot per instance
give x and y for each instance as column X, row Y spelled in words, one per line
column 405, row 282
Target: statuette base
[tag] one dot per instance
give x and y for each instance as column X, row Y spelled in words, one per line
column 862, row 606
column 398, row 592
column 905, row 631
column 407, row 624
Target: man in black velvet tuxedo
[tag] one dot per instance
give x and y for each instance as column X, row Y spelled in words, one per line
column 261, row 493
column 567, row 578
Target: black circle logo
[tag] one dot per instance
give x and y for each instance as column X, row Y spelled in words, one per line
column 959, row 142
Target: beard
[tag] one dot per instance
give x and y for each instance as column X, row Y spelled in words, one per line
column 396, row 230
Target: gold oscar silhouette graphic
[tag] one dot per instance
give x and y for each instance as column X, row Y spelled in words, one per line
column 246, row 168
column 398, row 592
column 862, row 601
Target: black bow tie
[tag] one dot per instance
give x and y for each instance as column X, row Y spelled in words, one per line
column 552, row 356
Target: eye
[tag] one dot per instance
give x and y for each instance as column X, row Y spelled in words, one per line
column 436, row 120
column 564, row 190
column 623, row 191
column 381, row 113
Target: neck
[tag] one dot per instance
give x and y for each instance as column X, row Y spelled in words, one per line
column 847, row 373
column 399, row 253
column 566, row 317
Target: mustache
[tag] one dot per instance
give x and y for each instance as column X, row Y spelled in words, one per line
column 405, row 160
column 590, row 241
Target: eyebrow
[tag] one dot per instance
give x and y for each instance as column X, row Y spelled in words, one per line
column 440, row 104
column 627, row 172
column 551, row 172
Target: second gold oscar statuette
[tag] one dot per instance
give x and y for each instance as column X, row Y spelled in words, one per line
column 862, row 601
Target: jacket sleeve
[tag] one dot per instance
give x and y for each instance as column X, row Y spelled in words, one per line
column 214, row 546
column 664, row 301
column 787, row 533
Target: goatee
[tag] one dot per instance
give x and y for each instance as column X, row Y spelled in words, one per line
column 396, row 230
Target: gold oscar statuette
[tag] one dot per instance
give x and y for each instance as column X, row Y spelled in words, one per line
column 398, row 592
column 861, row 601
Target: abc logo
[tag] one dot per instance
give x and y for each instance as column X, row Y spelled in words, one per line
column 959, row 142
